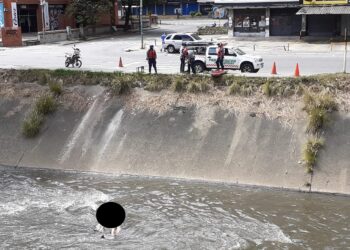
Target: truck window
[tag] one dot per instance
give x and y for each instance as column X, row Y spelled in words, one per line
column 212, row 51
column 195, row 36
column 229, row 52
column 177, row 37
column 168, row 37
column 240, row 52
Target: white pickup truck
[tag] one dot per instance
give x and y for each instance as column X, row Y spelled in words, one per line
column 234, row 59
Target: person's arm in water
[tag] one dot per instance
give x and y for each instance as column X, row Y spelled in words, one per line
column 99, row 228
column 115, row 231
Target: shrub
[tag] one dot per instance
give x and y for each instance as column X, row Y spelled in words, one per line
column 203, row 87
column 43, row 78
column 327, row 103
column 267, row 88
column 310, row 151
column 198, row 14
column 55, row 88
column 120, row 86
column 317, row 119
column 234, row 89
column 193, row 88
column 192, row 13
column 246, row 90
column 46, row 104
column 179, row 85
column 318, row 108
column 31, row 125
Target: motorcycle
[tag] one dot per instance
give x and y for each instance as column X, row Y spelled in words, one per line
column 73, row 59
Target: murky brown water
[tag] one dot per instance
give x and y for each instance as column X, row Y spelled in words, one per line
column 44, row 209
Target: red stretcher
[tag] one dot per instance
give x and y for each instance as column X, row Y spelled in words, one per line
column 217, row 73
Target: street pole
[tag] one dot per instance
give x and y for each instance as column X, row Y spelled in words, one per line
column 141, row 28
column 346, row 50
column 42, row 17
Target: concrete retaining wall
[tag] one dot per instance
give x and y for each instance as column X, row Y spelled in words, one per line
column 57, row 35
column 186, row 142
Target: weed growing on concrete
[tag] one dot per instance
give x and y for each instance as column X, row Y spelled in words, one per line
column 179, row 85
column 193, row 87
column 120, row 86
column 246, row 90
column 55, row 88
column 310, row 152
column 32, row 123
column 234, row 89
column 267, row 88
column 203, row 87
column 317, row 119
column 45, row 105
column 318, row 107
column 43, row 78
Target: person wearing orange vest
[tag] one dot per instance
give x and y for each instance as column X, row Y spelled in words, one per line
column 183, row 57
column 151, row 58
column 220, row 52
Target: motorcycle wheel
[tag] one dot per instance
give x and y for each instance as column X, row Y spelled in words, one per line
column 66, row 63
column 78, row 63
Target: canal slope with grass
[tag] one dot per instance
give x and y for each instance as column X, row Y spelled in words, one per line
column 288, row 133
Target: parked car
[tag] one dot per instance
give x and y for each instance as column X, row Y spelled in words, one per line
column 173, row 42
column 235, row 59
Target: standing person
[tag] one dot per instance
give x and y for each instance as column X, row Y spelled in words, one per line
column 152, row 57
column 220, row 52
column 183, row 57
column 191, row 58
column 163, row 42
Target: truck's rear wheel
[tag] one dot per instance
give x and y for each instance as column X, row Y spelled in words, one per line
column 171, row 49
column 247, row 67
column 199, row 67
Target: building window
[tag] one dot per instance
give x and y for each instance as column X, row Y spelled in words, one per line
column 249, row 21
column 56, row 13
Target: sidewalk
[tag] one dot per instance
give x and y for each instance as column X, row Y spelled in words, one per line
column 32, row 38
column 279, row 44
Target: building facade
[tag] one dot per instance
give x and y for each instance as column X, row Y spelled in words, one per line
column 327, row 18
column 263, row 17
column 30, row 15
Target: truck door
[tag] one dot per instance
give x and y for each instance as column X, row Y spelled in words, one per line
column 211, row 56
column 231, row 60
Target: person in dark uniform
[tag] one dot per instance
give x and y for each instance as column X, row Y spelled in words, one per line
column 220, row 52
column 152, row 57
column 191, row 59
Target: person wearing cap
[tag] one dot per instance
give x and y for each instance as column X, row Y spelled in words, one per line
column 220, row 52
column 183, row 57
column 152, row 57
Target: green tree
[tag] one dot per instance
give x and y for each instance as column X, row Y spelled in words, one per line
column 88, row 12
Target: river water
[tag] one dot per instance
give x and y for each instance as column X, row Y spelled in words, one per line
column 46, row 209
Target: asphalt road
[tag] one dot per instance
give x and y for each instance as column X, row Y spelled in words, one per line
column 104, row 54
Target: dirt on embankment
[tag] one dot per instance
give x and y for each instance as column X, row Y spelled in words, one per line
column 234, row 129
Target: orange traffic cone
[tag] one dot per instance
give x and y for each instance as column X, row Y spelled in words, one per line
column 274, row 70
column 120, row 63
column 296, row 71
